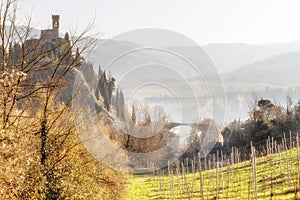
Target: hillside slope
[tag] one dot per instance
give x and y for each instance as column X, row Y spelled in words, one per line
column 277, row 177
column 279, row 70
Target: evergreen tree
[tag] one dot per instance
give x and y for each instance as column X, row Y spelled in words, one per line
column 99, row 72
column 67, row 36
column 133, row 115
column 103, row 87
column 111, row 88
column 121, row 106
column 117, row 103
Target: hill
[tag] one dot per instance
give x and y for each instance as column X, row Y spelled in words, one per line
column 231, row 56
column 271, row 71
column 280, row 70
column 276, row 178
column 226, row 56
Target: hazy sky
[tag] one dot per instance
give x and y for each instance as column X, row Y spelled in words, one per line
column 205, row 21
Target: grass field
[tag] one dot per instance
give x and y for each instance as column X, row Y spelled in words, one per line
column 277, row 177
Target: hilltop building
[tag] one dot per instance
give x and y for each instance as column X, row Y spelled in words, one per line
column 48, row 34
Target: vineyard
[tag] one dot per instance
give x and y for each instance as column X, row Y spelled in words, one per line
column 270, row 174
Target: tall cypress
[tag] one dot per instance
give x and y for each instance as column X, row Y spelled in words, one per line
column 117, row 103
column 133, row 115
column 121, row 105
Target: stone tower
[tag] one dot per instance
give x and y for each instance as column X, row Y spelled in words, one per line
column 55, row 26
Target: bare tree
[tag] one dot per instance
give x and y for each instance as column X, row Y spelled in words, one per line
column 35, row 116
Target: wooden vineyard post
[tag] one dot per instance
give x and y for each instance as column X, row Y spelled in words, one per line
column 267, row 145
column 287, row 158
column 228, row 177
column 272, row 146
column 217, row 176
column 170, row 171
column 201, row 177
column 279, row 151
column 222, row 177
column 187, row 165
column 253, row 156
column 291, row 143
column 185, row 180
column 298, row 159
column 178, row 178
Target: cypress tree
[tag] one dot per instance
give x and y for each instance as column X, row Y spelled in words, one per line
column 117, row 103
column 133, row 115
column 121, row 105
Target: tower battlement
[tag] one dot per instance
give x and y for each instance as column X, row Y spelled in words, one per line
column 48, row 34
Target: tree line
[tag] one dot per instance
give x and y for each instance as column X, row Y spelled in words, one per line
column 266, row 120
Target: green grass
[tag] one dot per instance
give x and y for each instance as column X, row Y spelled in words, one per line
column 237, row 182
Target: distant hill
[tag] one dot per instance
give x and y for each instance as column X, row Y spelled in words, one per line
column 230, row 56
column 226, row 56
column 21, row 30
column 270, row 71
column 281, row 70
column 275, row 64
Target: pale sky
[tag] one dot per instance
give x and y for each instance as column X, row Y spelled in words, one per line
column 204, row 21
